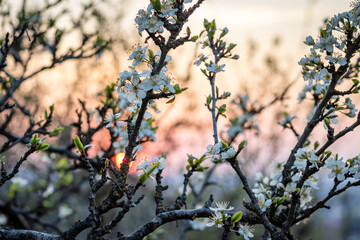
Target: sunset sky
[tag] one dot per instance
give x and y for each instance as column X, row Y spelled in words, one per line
column 260, row 19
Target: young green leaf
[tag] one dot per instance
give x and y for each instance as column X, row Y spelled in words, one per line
column 78, row 143
column 171, row 100
column 43, row 147
column 242, row 145
column 236, row 217
column 143, row 177
column 156, row 4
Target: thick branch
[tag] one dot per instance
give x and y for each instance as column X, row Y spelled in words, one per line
column 16, row 234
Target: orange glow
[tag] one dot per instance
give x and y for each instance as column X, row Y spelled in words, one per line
column 120, row 158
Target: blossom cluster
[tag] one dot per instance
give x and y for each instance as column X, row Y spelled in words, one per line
column 304, row 158
column 327, row 52
column 137, row 84
column 220, row 151
column 264, row 186
column 152, row 19
column 118, row 127
column 221, row 215
column 151, row 166
column 314, row 72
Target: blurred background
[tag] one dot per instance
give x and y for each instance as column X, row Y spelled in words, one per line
column 269, row 37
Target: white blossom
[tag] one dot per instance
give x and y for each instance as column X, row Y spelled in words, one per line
column 199, row 224
column 159, row 162
column 222, row 207
column 216, row 220
column 143, row 167
column 246, row 231
column 213, row 149
column 338, row 168
column 214, row 68
column 229, row 153
column 138, row 55
column 110, row 117
column 263, row 202
column 64, row 211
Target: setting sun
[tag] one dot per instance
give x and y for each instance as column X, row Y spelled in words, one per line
column 119, row 158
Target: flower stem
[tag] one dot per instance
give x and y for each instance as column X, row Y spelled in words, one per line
column 213, row 108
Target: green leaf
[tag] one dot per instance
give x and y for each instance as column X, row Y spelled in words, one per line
column 230, row 47
column 206, row 23
column 177, row 89
column 184, row 89
column 171, row 100
column 151, row 54
column 213, row 26
column 204, row 72
column 52, row 108
column 188, row 31
column 194, row 38
column 34, row 140
column 3, row 159
column 316, row 145
column 156, row 4
column 200, row 169
column 78, row 143
column 203, row 157
column 279, row 200
column 222, row 108
column 242, row 144
column 43, row 147
column 191, row 159
column 151, row 169
column 208, row 100
column 56, row 132
column 107, row 162
column 225, row 146
column 326, row 121
column 236, row 217
column 143, row 177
